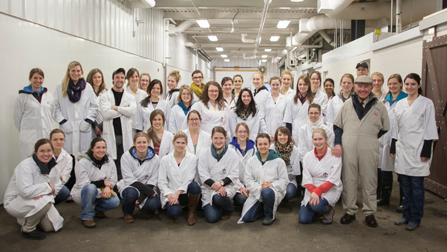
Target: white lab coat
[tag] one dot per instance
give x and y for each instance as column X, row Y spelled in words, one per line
column 248, row 154
column 253, row 123
column 294, row 168
column 126, row 112
column 290, row 93
column 333, row 107
column 316, row 172
column 86, row 172
column 321, row 99
column 26, row 183
column 412, row 125
column 386, row 162
column 63, row 167
column 274, row 113
column 210, row 168
column 297, row 115
column 274, row 171
column 260, row 99
column 166, row 145
column 173, row 99
column 78, row 133
column 34, row 120
column 177, row 119
column 203, row 142
column 139, row 95
column 305, row 143
column 132, row 171
column 145, row 114
column 172, row 177
column 212, row 118
column 99, row 118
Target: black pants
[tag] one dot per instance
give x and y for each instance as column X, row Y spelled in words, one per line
column 119, row 153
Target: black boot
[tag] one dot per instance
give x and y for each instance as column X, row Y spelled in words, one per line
column 387, row 188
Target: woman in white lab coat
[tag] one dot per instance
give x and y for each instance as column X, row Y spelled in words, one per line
column 227, row 88
column 386, row 162
column 261, row 92
column 283, row 145
column 266, row 180
column 64, row 167
column 176, row 180
column 33, row 113
column 139, row 166
column 30, row 193
column 238, row 82
column 180, row 110
column 334, row 105
column 76, row 109
column 378, row 81
column 328, row 85
column 320, row 96
column 212, row 108
column 321, row 177
column 96, row 80
column 133, row 79
column 245, row 149
column 296, row 110
column 305, row 132
column 145, row 79
column 173, row 80
column 152, row 102
column 95, row 178
column 218, row 168
column 160, row 139
column 412, row 145
column 245, row 111
column 286, row 81
column 275, row 108
column 197, row 138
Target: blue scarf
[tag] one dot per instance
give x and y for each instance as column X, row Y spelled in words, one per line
column 250, row 145
column 185, row 109
column 389, row 97
column 29, row 90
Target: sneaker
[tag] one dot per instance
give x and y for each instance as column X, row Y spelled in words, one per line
column 400, row 209
column 326, row 219
column 411, row 226
column 89, row 223
column 402, row 221
column 267, row 221
column 100, row 215
column 34, row 235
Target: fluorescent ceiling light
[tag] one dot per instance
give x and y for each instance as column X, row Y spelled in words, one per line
column 283, row 24
column 268, row 50
column 227, row 60
column 203, row 23
column 274, row 38
column 219, row 49
column 223, row 55
column 264, row 56
column 264, row 60
column 296, row 1
column 212, row 38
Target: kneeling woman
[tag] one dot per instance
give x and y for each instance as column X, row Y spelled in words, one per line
column 218, row 168
column 139, row 167
column 266, row 180
column 321, row 177
column 175, row 180
column 95, row 178
column 30, row 193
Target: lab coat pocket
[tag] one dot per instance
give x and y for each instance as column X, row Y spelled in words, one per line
column 67, row 127
column 85, row 126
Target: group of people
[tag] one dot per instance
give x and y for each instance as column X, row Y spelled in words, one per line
column 218, row 146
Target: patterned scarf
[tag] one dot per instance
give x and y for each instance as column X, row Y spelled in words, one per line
column 315, row 125
column 244, row 114
column 197, row 90
column 285, row 152
column 74, row 92
column 302, row 97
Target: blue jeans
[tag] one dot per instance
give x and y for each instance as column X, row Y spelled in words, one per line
column 130, row 195
column 414, row 194
column 90, row 203
column 176, row 210
column 290, row 191
column 239, row 199
column 307, row 212
column 261, row 208
column 62, row 196
column 213, row 212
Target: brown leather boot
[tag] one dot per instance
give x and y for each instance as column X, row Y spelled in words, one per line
column 192, row 205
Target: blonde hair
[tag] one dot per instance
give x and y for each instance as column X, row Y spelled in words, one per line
column 286, row 72
column 180, row 134
column 187, row 88
column 139, row 81
column 242, row 124
column 66, row 79
column 141, row 134
column 380, row 75
column 324, row 134
column 176, row 75
column 261, row 76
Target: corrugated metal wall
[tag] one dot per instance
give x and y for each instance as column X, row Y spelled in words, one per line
column 107, row 22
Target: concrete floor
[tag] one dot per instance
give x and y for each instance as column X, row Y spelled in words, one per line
column 286, row 234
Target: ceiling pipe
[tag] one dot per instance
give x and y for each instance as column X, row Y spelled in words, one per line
column 326, row 37
column 175, row 30
column 246, row 40
column 261, row 27
column 249, row 57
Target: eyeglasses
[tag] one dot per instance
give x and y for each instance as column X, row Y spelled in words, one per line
column 196, row 78
column 144, row 80
column 194, row 119
column 213, row 91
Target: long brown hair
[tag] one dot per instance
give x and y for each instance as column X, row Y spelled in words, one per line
column 205, row 98
column 398, row 78
column 284, row 130
column 102, row 86
column 150, row 131
column 130, row 72
column 310, row 95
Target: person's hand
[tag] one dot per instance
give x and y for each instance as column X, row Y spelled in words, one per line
column 393, row 155
column 216, row 186
column 53, row 190
column 97, row 130
column 272, row 139
column 314, row 199
column 108, row 184
column 266, row 184
column 244, row 191
column 38, row 197
column 338, row 150
column 115, row 108
column 62, row 179
column 172, row 199
column 222, row 191
column 424, row 159
column 106, row 193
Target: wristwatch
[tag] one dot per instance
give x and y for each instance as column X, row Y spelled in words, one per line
column 222, row 183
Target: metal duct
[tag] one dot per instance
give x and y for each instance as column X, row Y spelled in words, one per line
column 175, row 30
